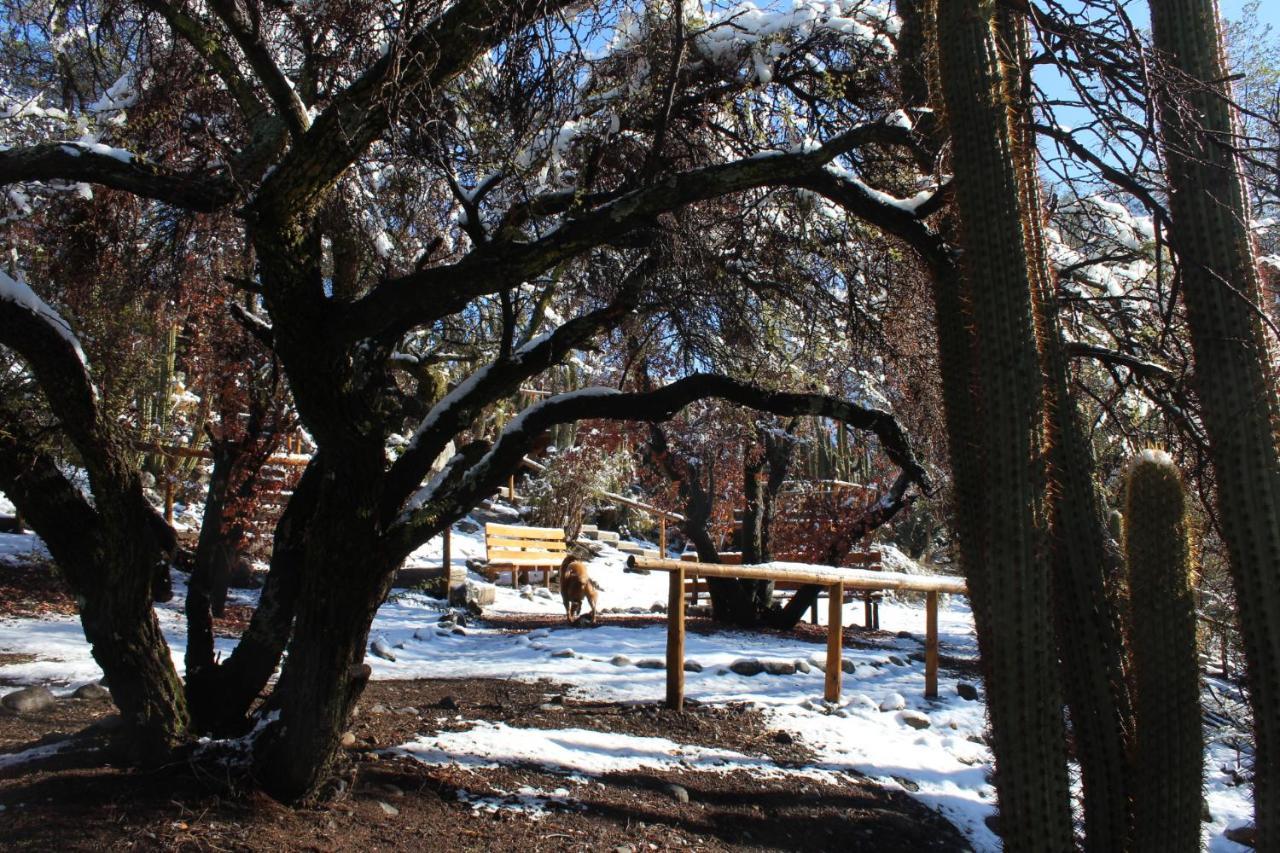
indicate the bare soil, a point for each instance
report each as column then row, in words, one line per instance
column 76, row 800
column 80, row 798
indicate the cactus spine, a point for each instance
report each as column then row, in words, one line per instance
column 1240, row 402
column 1169, row 747
column 1010, row 587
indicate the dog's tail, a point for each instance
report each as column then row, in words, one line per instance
column 592, row 581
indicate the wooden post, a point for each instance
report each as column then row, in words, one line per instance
column 835, row 641
column 662, row 537
column 20, row 526
column 168, row 498
column 446, row 558
column 675, row 641
column 931, row 646
column 866, row 606
column 511, row 489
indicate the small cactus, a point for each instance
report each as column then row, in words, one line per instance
column 1169, row 744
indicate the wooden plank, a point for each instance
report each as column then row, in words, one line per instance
column 516, row 531
column 822, row 575
column 499, row 555
column 675, row 641
column 527, row 561
column 931, row 646
column 497, row 541
column 835, row 641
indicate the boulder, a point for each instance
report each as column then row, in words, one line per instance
column 469, row 592
column 747, row 666
column 692, row 666
column 803, row 666
column 29, row 700
column 92, row 692
column 679, row 793
column 564, row 653
column 381, row 648
column 893, row 702
column 914, row 719
column 779, row 667
column 651, row 663
column 620, row 660
column 967, row 691
column 1246, row 834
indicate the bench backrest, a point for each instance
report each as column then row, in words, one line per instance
column 516, row 545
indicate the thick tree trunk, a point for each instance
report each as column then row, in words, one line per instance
column 1234, row 368
column 348, row 573
column 1010, row 588
column 109, row 557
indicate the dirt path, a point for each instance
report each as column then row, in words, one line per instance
column 382, row 801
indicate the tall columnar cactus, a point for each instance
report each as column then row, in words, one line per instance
column 1169, row 748
column 1087, row 616
column 1209, row 226
column 1009, row 580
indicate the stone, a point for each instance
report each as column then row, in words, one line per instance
column 779, row 667
column 803, row 666
column 379, row 709
column 543, row 592
column 897, row 661
column 348, row 740
column 473, row 593
column 692, row 666
column 861, row 702
column 967, row 691
column 818, row 663
column 390, row 810
column 382, row 649
column 526, row 594
column 784, row 738
column 993, row 823
column 893, row 702
column 905, row 635
column 651, row 663
column 747, row 666
column 465, row 526
column 914, row 719
column 92, row 692
column 620, row 660
column 679, row 793
column 658, row 607
column 564, row 653
column 848, row 665
column 408, row 711
column 459, row 632
column 392, row 790
column 1246, row 834
column 918, row 657
column 29, row 700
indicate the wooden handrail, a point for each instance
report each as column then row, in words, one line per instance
column 821, row 575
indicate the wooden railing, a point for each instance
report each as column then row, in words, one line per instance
column 836, row 580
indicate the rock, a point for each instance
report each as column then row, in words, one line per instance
column 526, row 594
column 1246, row 834
column 473, row 594
column 908, row 784
column 379, row 709
column 897, row 661
column 408, row 711
column 29, row 700
column 393, row 790
column 465, row 526
column 382, row 649
column 993, row 823
column 803, row 666
column 1205, row 815
column 918, row 657
column 620, row 660
column 967, row 691
column 678, row 793
column 692, row 666
column 92, row 692
column 861, row 701
column 564, row 653
column 905, row 635
column 422, row 635
column 389, row 809
column 915, row 719
column 818, row 663
column 978, row 739
column 651, row 663
column 658, row 607
column 459, row 632
column 893, row 702
column 848, row 665
column 783, row 738
column 543, row 592
column 779, row 667
column 348, row 740
column 747, row 666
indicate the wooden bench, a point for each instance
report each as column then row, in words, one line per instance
column 510, row 547
column 837, row 580
column 695, row 586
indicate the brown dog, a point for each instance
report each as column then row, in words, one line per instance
column 575, row 585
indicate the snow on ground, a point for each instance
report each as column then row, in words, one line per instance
column 941, row 765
